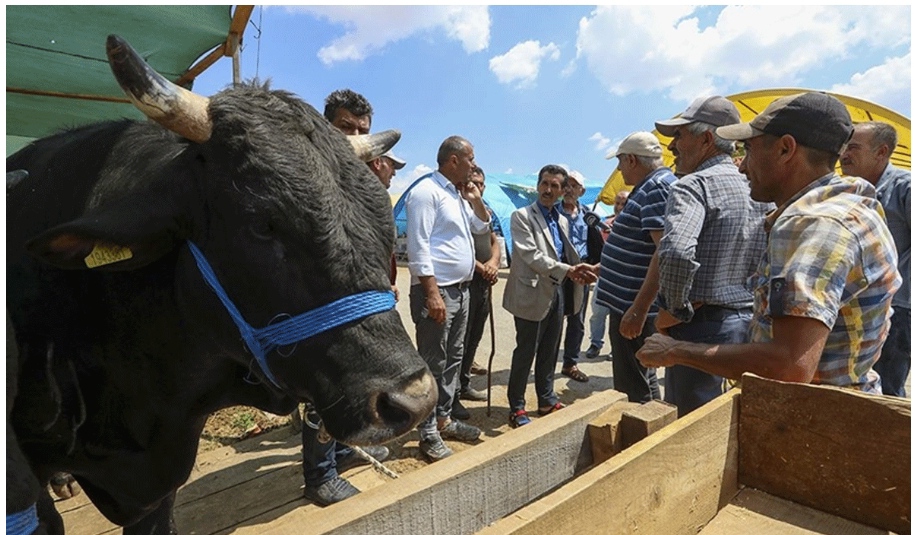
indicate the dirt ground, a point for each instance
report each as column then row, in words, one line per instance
column 236, row 423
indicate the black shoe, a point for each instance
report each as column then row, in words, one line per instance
column 354, row 459
column 434, row 448
column 592, row 352
column 330, row 492
column 457, row 430
column 471, row 394
column 459, row 411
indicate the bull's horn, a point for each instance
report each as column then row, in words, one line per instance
column 370, row 146
column 177, row 109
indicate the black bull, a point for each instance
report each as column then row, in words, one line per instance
column 119, row 365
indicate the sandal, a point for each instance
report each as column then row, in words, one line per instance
column 543, row 411
column 518, row 418
column 575, row 374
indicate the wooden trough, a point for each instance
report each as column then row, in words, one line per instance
column 770, row 457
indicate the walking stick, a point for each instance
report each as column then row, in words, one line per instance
column 491, row 356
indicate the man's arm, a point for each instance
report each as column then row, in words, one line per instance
column 420, row 220
column 685, row 212
column 632, row 322
column 490, row 268
column 792, row 355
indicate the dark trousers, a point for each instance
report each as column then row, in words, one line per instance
column 629, row 376
column 894, row 364
column 537, row 340
column 319, row 460
column 574, row 333
column 689, row 388
column 480, row 294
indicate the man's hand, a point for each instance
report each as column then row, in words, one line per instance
column 436, row 310
column 469, row 191
column 658, row 350
column 632, row 323
column 490, row 273
column 583, row 273
column 396, row 292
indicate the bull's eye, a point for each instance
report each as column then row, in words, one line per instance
column 263, row 228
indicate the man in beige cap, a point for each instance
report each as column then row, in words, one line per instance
column 712, row 242
column 628, row 265
column 824, row 286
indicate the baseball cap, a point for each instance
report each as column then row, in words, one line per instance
column 715, row 110
column 397, row 162
column 577, row 176
column 639, row 144
column 814, row 119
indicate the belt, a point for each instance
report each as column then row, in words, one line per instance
column 460, row 285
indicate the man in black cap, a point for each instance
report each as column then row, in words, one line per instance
column 824, row 287
column 712, row 242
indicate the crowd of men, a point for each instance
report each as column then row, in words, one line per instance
column 771, row 264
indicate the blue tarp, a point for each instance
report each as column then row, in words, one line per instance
column 504, row 194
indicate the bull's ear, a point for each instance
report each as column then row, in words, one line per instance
column 123, row 236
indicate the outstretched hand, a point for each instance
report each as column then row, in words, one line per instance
column 583, row 273
column 657, row 351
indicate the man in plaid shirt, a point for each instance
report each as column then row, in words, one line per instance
column 824, row 286
column 712, row 242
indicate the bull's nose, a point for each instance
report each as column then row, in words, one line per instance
column 404, row 408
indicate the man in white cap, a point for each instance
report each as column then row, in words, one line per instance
column 825, row 284
column 385, row 167
column 628, row 265
column 712, row 243
column 588, row 242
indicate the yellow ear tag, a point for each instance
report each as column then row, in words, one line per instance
column 103, row 254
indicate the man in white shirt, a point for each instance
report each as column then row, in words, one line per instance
column 442, row 213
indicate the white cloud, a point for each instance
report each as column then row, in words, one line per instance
column 521, row 64
column 888, row 84
column 601, row 142
column 669, row 50
column 402, row 180
column 370, row 28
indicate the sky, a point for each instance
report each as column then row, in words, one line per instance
column 535, row 85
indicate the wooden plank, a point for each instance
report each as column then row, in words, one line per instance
column 836, row 450
column 754, row 511
column 605, row 432
column 673, row 482
column 465, row 492
column 643, row 420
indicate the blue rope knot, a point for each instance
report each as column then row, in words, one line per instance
column 297, row 328
column 22, row 523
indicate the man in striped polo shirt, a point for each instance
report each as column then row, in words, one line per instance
column 628, row 266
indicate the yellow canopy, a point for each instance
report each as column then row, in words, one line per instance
column 752, row 103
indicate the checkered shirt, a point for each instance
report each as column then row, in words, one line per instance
column 830, row 256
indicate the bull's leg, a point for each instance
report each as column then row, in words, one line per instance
column 159, row 522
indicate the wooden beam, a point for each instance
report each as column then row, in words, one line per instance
column 41, row 93
column 605, row 433
column 673, row 482
column 465, row 492
column 643, row 420
column 228, row 48
column 843, row 452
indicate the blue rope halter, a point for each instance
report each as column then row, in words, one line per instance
column 297, row 328
column 22, row 523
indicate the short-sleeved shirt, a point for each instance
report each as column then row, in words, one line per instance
column 830, row 257
column 628, row 249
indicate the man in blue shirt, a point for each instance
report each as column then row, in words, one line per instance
column 629, row 276
column 867, row 156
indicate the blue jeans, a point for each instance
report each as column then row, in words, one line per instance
column 574, row 333
column 629, row 376
column 539, row 339
column 441, row 346
column 689, row 388
column 598, row 316
column 895, row 362
column 319, row 460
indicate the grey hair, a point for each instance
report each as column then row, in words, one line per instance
column 883, row 134
column 651, row 162
column 723, row 145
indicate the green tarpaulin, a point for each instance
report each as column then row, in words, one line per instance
column 57, row 69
